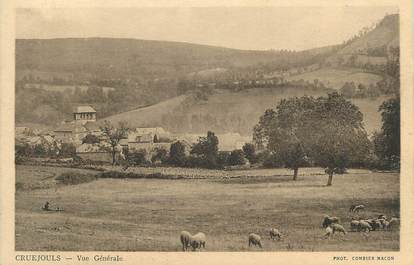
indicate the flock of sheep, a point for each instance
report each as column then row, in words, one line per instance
column 360, row 224
column 331, row 224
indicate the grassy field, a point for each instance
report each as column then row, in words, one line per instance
column 149, row 214
column 233, row 111
column 336, row 78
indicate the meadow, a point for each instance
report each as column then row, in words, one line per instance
column 149, row 214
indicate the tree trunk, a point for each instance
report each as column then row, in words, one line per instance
column 295, row 173
column 330, row 179
column 113, row 155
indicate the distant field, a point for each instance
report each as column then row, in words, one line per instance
column 336, row 78
column 148, row 214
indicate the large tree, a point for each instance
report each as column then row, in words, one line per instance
column 327, row 131
column 207, row 150
column 387, row 141
column 340, row 139
column 113, row 136
column 285, row 131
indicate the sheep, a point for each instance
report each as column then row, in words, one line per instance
column 376, row 224
column 274, row 233
column 329, row 232
column 382, row 216
column 394, row 223
column 329, row 220
column 364, row 226
column 255, row 240
column 385, row 224
column 354, row 225
column 198, row 240
column 185, row 238
column 337, row 228
column 356, row 208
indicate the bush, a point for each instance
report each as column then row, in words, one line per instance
column 272, row 161
column 222, row 158
column 160, row 155
column 131, row 175
column 90, row 139
column 73, row 178
column 177, row 155
column 137, row 158
column 250, row 153
column 67, row 150
column 236, row 157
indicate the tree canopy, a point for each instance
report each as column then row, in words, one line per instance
column 327, row 131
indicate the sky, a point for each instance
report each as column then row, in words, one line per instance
column 247, row 28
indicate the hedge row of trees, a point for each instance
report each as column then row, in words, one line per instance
column 204, row 154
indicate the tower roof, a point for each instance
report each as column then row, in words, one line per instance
column 84, row 109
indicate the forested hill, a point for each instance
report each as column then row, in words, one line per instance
column 106, row 58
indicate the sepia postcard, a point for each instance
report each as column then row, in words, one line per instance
column 206, row 132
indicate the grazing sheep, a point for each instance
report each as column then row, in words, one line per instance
column 198, row 240
column 185, row 238
column 376, row 224
column 329, row 232
column 338, row 228
column 357, row 208
column 364, row 226
column 394, row 223
column 385, row 224
column 274, row 233
column 354, row 225
column 254, row 240
column 329, row 220
column 382, row 216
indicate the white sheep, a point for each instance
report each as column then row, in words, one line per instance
column 274, row 233
column 385, row 224
column 338, row 228
column 394, row 223
column 255, row 240
column 185, row 238
column 327, row 220
column 198, row 240
column 329, row 232
column 357, row 208
column 364, row 226
column 354, row 225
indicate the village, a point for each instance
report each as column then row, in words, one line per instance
column 84, row 138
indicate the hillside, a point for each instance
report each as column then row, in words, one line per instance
column 126, row 58
column 118, row 76
column 226, row 111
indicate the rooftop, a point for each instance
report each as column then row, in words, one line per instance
column 84, row 109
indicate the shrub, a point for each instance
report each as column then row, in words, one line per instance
column 250, row 152
column 160, row 155
column 73, row 178
column 236, row 157
column 177, row 154
column 222, row 158
column 137, row 158
column 90, row 139
column 67, row 150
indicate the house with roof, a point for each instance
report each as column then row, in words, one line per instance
column 84, row 114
